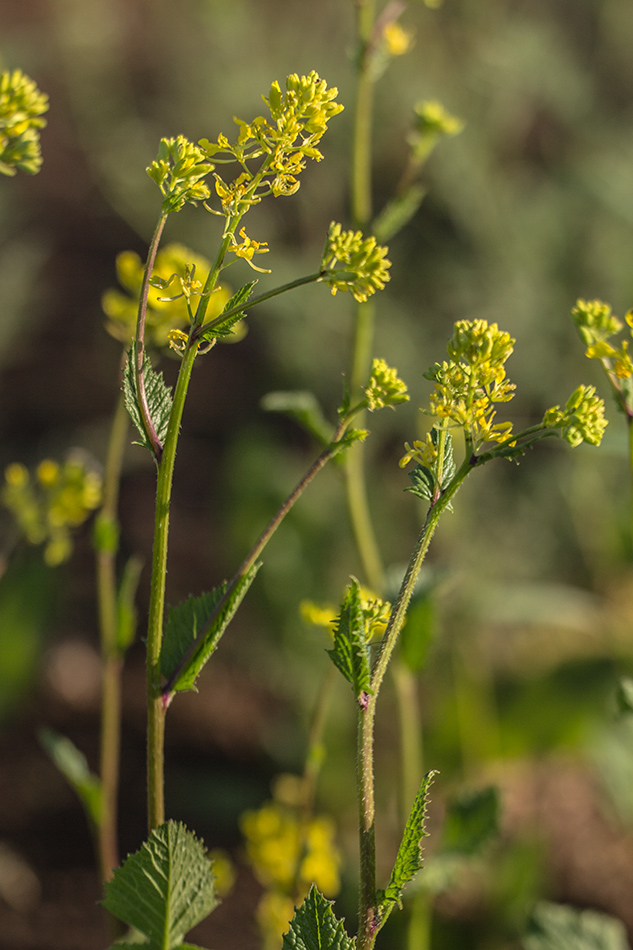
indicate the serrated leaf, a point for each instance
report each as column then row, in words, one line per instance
column 186, row 622
column 304, row 408
column 158, row 395
column 471, row 821
column 314, row 927
column 409, row 858
column 423, row 483
column 74, row 767
column 557, row 927
column 165, row 888
column 350, row 653
column 224, row 328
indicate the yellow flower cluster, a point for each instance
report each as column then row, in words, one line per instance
column 21, row 108
column 299, row 118
column 179, row 171
column 596, row 324
column 473, row 380
column 424, row 453
column 48, row 506
column 385, row 387
column 582, row 419
column 168, row 310
column 365, row 266
column 288, row 855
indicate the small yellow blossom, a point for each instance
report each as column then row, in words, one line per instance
column 398, row 41
column 385, row 387
column 248, row 248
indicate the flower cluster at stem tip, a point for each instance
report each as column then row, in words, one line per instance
column 469, row 384
column 48, row 506
column 179, row 274
column 596, row 325
column 288, row 854
column 385, row 387
column 21, row 108
column 365, row 266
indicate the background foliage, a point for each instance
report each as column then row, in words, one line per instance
column 528, row 209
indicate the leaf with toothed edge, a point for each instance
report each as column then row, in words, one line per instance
column 226, row 328
column 185, row 623
column 164, row 889
column 409, row 858
column 350, row 653
column 314, row 927
column 159, row 399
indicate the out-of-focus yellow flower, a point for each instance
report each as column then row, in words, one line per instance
column 21, row 108
column 46, row 507
column 288, row 854
column 398, row 41
column 180, row 274
column 223, row 872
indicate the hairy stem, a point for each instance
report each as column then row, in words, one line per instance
column 155, row 707
column 368, row 927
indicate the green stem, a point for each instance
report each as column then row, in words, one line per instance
column 368, row 925
column 254, row 554
column 155, row 707
column 361, row 209
column 107, row 544
column 202, row 328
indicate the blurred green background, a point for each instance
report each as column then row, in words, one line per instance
column 530, row 207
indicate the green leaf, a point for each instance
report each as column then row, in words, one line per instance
column 304, row 408
column 165, row 888
column 126, row 607
column 419, row 631
column 159, row 399
column 471, row 821
column 225, row 328
column 350, row 653
column 314, row 927
column 187, row 621
column 74, row 767
column 409, row 858
column 426, row 481
column 556, row 927
column 423, row 483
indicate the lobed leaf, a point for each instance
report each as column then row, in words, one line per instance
column 158, row 395
column 314, row 927
column 556, row 927
column 350, row 653
column 164, row 889
column 187, row 621
column 409, row 858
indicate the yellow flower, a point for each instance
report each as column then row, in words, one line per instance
column 397, row 40
column 175, row 265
